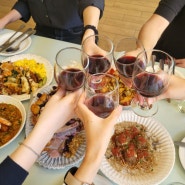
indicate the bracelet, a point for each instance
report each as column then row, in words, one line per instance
column 29, row 148
column 92, row 28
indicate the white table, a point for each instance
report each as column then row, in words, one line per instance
column 168, row 115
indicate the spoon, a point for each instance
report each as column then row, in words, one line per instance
column 13, row 49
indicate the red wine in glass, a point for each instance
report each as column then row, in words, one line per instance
column 71, row 78
column 101, row 105
column 98, row 64
column 125, row 65
column 148, row 84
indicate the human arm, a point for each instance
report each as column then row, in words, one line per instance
column 91, row 17
column 98, row 133
column 152, row 30
column 164, row 14
column 20, row 11
column 10, row 17
column 91, row 11
column 58, row 111
column 50, row 120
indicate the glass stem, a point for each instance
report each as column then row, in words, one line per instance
column 144, row 104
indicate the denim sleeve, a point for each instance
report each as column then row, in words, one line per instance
column 22, row 7
column 11, row 173
column 169, row 8
column 85, row 3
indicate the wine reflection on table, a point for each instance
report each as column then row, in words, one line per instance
column 70, row 69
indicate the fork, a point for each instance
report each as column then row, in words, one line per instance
column 13, row 49
column 8, row 41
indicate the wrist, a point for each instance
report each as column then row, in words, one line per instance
column 70, row 179
column 91, row 162
column 89, row 30
column 89, row 167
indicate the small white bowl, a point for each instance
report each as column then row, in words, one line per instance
column 10, row 100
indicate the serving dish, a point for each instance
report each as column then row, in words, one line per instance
column 13, row 101
column 165, row 161
column 38, row 59
column 53, row 157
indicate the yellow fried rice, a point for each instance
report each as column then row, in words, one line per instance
column 33, row 66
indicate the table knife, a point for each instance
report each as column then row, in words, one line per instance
column 16, row 39
column 179, row 143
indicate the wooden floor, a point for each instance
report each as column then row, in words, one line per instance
column 121, row 17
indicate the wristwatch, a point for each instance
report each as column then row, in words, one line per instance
column 69, row 178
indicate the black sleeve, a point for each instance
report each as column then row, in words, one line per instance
column 22, row 7
column 169, row 8
column 85, row 3
column 11, row 173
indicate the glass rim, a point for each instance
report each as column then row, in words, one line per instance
column 101, row 36
column 74, row 48
column 128, row 38
column 153, row 50
column 123, row 51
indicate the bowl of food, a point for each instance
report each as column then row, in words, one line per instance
column 141, row 151
column 67, row 146
column 12, row 119
column 24, row 74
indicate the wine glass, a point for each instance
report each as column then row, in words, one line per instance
column 99, row 48
column 102, row 94
column 150, row 78
column 125, row 53
column 70, row 68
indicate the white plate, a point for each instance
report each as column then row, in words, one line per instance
column 165, row 162
column 24, row 45
column 45, row 160
column 19, row 105
column 39, row 59
column 182, row 154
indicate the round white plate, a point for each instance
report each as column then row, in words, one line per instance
column 39, row 59
column 182, row 154
column 165, row 162
column 19, row 105
column 24, row 45
column 45, row 160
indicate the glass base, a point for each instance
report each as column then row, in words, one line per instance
column 181, row 106
column 144, row 111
